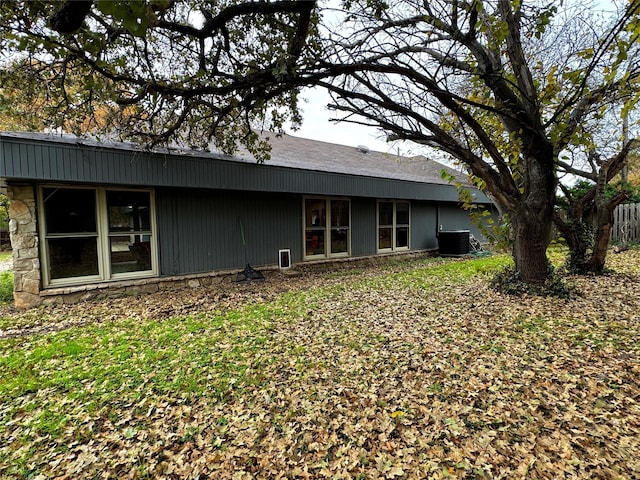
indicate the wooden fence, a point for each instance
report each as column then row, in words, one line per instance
column 626, row 223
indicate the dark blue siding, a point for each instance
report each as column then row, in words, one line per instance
column 453, row 217
column 23, row 159
column 423, row 226
column 201, row 201
column 199, row 231
column 363, row 226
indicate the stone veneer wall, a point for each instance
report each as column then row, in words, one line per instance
column 24, row 242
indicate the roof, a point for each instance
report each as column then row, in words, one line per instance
column 293, row 152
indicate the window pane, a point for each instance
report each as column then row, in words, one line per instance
column 339, row 213
column 129, row 255
column 315, row 214
column 129, row 211
column 72, row 257
column 402, row 237
column 402, row 213
column 385, row 213
column 384, row 238
column 314, row 242
column 69, row 210
column 339, row 238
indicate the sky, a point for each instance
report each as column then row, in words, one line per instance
column 316, row 125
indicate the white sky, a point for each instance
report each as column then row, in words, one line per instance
column 316, row 126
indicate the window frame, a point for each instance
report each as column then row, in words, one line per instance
column 327, row 228
column 103, row 237
column 394, row 227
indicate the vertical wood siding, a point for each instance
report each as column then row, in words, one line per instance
column 423, row 226
column 199, row 201
column 199, row 231
column 453, row 217
column 69, row 162
column 363, row 226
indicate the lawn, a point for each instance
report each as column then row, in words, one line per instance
column 397, row 370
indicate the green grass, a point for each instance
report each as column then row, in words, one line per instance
column 121, row 382
column 4, row 256
column 173, row 355
column 97, row 371
column 97, row 367
column 6, row 287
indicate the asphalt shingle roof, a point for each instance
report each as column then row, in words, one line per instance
column 295, row 152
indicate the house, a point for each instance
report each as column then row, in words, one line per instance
column 87, row 216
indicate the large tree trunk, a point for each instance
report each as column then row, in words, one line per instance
column 532, row 213
column 578, row 237
column 531, row 236
column 585, row 233
column 602, row 222
column 600, row 246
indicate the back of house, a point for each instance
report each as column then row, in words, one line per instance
column 86, row 216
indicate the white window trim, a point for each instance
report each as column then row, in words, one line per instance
column 327, row 228
column 103, row 246
column 393, row 226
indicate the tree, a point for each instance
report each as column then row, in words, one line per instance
column 33, row 97
column 586, row 215
column 194, row 71
column 493, row 84
column 511, row 92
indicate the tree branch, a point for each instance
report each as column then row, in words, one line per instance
column 70, row 16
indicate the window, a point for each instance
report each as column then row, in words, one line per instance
column 94, row 234
column 327, row 227
column 393, row 225
column 129, row 231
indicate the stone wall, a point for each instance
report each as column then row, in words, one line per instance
column 125, row 288
column 24, row 242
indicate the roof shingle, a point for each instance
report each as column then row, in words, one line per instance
column 295, row 152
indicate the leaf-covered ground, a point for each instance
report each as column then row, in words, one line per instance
column 401, row 370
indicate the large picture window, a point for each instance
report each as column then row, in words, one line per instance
column 327, row 224
column 95, row 234
column 393, row 225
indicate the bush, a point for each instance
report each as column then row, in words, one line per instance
column 6, row 287
column 508, row 281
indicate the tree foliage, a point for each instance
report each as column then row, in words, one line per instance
column 194, row 71
column 503, row 87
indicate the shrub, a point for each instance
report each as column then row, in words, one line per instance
column 508, row 281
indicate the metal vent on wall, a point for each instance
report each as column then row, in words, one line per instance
column 284, row 258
